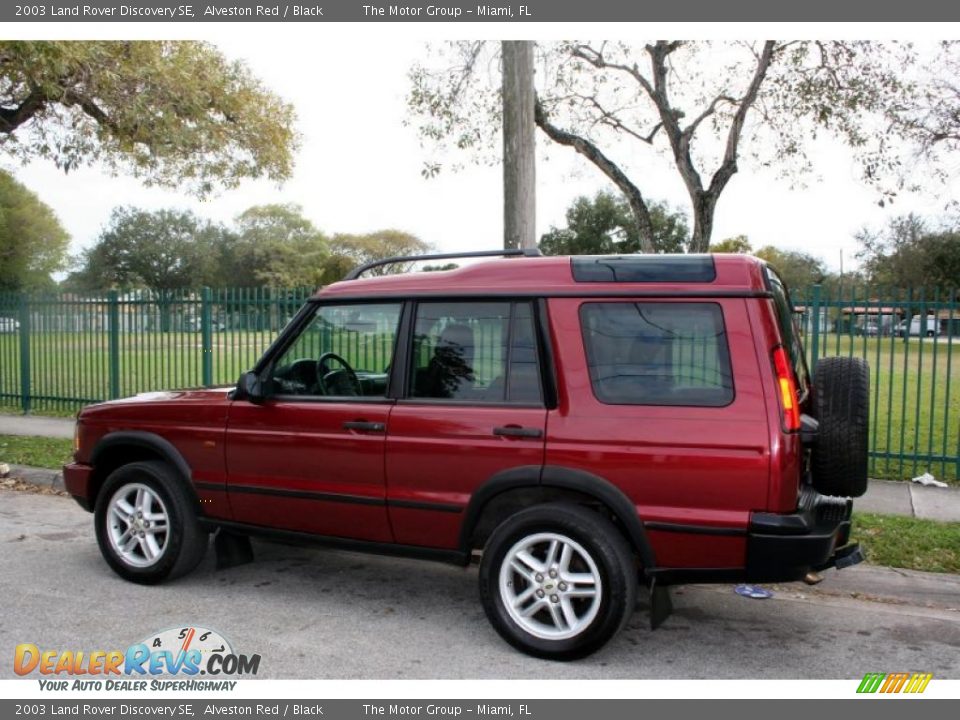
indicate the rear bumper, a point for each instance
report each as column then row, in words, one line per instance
column 782, row 548
column 76, row 479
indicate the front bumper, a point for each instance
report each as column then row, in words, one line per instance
column 76, row 479
column 783, row 548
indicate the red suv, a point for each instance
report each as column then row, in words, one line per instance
column 586, row 425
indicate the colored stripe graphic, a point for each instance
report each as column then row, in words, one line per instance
column 894, row 682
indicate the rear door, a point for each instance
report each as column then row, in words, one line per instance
column 472, row 407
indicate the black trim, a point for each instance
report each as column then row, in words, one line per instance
column 532, row 476
column 306, row 495
column 508, row 252
column 215, row 487
column 643, row 268
column 334, row 497
column 503, row 481
column 611, row 496
column 420, row 505
column 455, row 557
column 693, row 529
column 548, row 368
column 402, row 353
column 150, row 441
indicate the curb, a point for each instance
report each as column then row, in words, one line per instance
column 41, row 477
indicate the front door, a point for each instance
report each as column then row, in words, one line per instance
column 311, row 457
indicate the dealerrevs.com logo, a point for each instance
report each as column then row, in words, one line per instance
column 185, row 652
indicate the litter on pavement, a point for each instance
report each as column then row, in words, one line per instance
column 928, row 479
column 753, row 591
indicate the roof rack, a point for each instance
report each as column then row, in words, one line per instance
column 512, row 252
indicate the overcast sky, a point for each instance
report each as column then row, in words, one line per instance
column 359, row 167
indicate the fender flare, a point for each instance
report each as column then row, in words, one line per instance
column 150, row 441
column 554, row 476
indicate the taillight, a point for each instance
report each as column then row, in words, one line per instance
column 788, row 390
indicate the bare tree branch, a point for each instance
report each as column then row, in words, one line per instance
column 608, row 167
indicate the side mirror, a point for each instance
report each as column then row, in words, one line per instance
column 251, row 387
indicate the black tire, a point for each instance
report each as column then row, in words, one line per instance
column 610, row 554
column 842, row 406
column 183, row 544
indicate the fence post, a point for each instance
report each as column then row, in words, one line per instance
column 113, row 308
column 815, row 329
column 25, row 353
column 206, row 335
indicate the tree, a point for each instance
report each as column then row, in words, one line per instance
column 349, row 251
column 605, row 225
column 161, row 250
column 177, row 114
column 739, row 245
column 278, row 246
column 797, row 269
column 911, row 253
column 33, row 244
column 765, row 100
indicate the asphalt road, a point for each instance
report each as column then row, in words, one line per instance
column 328, row 614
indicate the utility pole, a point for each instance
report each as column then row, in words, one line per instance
column 519, row 170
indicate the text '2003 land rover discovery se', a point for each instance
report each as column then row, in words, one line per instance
column 588, row 424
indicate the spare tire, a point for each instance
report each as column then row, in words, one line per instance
column 842, row 407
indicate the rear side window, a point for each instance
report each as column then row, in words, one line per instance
column 476, row 352
column 656, row 353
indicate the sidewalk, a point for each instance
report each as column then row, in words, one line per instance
column 36, row 425
column 887, row 497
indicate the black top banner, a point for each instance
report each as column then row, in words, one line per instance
column 459, row 11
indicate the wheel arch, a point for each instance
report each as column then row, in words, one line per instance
column 519, row 487
column 121, row 448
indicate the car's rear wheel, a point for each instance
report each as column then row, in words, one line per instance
column 842, row 406
column 557, row 581
column 146, row 524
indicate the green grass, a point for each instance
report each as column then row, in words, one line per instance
column 35, row 451
column 905, row 542
column 915, row 390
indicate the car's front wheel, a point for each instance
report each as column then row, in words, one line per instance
column 557, row 581
column 146, row 524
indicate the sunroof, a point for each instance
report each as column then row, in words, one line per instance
column 644, row 268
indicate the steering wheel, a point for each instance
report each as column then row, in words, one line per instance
column 337, row 382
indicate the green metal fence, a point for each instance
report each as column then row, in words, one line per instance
column 59, row 352
column 911, row 339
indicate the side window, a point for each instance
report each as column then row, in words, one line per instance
column 651, row 353
column 788, row 327
column 481, row 352
column 345, row 351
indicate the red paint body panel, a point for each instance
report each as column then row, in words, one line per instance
column 294, row 446
column 193, row 421
column 442, row 454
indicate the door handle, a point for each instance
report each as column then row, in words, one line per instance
column 517, row 431
column 364, row 426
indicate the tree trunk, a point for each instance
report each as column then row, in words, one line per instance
column 704, row 205
column 519, row 169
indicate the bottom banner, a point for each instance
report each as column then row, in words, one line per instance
column 445, row 709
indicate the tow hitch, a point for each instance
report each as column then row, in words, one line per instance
column 847, row 556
